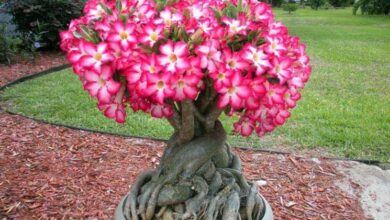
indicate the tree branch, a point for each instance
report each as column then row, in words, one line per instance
column 197, row 114
column 187, row 126
column 212, row 116
column 206, row 97
column 174, row 120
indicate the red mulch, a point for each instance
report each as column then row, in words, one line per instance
column 51, row 172
column 24, row 67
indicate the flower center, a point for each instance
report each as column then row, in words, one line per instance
column 154, row 36
column 234, row 28
column 124, row 35
column 278, row 69
column 255, row 57
column 221, row 76
column 209, row 55
column 232, row 63
column 173, row 58
column 152, row 69
column 98, row 56
column 273, row 46
column 232, row 90
column 101, row 82
column 181, row 84
column 160, row 84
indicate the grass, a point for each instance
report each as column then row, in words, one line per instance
column 345, row 107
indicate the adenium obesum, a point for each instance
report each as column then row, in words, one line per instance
column 146, row 54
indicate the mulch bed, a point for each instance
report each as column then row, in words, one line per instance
column 51, row 172
column 25, row 67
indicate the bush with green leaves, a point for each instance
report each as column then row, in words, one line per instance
column 290, row 7
column 315, row 4
column 327, row 6
column 371, row 7
column 44, row 18
column 274, row 3
column 8, row 46
column 340, row 3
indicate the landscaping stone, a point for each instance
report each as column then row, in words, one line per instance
column 373, row 184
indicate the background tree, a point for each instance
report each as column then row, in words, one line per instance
column 190, row 62
column 290, row 7
column 340, row 3
column 38, row 21
column 315, row 4
column 372, row 7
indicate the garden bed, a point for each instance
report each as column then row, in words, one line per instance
column 23, row 67
column 53, row 172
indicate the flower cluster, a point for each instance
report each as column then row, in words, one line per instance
column 149, row 54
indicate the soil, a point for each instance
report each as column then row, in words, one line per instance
column 24, row 67
column 52, row 172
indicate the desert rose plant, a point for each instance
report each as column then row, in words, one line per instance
column 190, row 61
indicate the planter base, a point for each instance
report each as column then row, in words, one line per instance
column 120, row 216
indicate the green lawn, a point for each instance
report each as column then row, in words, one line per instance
column 345, row 107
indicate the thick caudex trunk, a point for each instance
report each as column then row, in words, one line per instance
column 200, row 179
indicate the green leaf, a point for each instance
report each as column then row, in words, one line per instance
column 119, row 5
column 105, row 8
column 77, row 35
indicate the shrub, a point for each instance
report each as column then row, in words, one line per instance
column 340, row 3
column 290, row 7
column 315, row 4
column 34, row 17
column 274, row 3
column 326, row 6
column 372, row 7
column 8, row 46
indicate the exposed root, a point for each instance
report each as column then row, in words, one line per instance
column 131, row 201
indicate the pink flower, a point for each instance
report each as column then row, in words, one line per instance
column 144, row 12
column 257, row 57
column 234, row 93
column 123, row 34
column 279, row 114
column 209, row 54
column 194, row 68
column 186, row 87
column 291, row 97
column 234, row 60
column 133, row 73
column 274, row 46
column 221, row 77
column 159, row 86
column 174, row 56
column 281, row 69
column 275, row 94
column 169, row 18
column 113, row 110
column 150, row 64
column 95, row 55
column 161, row 111
column 262, row 12
column 151, row 34
column 245, row 126
column 100, row 84
column 235, row 26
